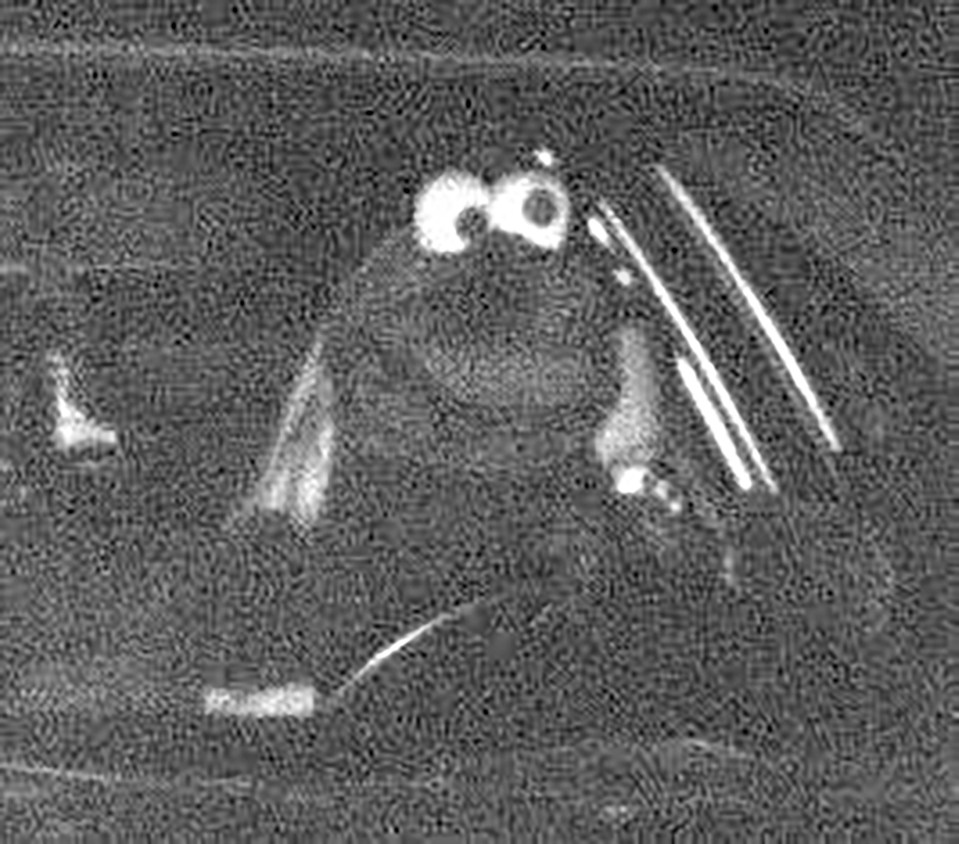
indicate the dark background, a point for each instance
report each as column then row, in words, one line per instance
column 886, row 62
column 881, row 67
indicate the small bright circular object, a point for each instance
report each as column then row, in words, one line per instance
column 546, row 157
column 632, row 480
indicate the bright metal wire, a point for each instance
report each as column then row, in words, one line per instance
column 692, row 341
column 712, row 239
column 714, row 422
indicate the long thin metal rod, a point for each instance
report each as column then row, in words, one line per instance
column 692, row 341
column 711, row 237
column 714, row 422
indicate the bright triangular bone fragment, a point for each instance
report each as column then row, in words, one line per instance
column 75, row 430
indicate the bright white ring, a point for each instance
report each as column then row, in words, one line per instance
column 506, row 210
column 440, row 204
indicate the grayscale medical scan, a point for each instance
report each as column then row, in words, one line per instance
column 474, row 422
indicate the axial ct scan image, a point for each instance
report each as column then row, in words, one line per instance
column 519, row 439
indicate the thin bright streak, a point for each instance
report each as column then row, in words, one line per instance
column 384, row 654
column 715, row 424
column 59, row 773
column 659, row 288
column 301, row 700
column 765, row 321
column 78, row 775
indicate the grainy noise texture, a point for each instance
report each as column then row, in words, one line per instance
column 204, row 217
